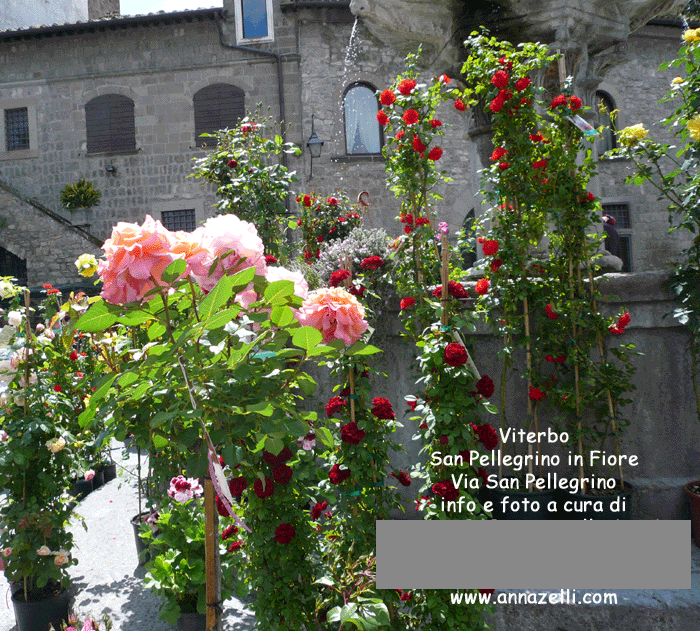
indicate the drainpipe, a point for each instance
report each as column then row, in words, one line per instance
column 280, row 82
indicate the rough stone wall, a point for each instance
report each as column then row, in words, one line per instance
column 323, row 45
column 15, row 15
column 636, row 86
column 159, row 67
column 28, row 231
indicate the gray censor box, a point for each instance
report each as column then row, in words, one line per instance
column 465, row 554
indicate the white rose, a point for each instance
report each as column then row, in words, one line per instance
column 14, row 318
column 61, row 557
column 43, row 551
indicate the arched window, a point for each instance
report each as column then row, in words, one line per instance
column 467, row 240
column 109, row 122
column 606, row 106
column 363, row 134
column 218, row 106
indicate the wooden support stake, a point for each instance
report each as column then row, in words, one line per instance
column 211, row 556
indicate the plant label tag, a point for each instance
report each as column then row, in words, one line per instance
column 588, row 131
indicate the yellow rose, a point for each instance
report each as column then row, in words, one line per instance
column 694, row 128
column 55, row 445
column 632, row 135
column 86, row 264
column 692, row 35
column 678, row 81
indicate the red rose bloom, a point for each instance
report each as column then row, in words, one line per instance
column 406, row 218
column 282, row 474
column 335, row 404
column 559, row 100
column 402, row 477
column 351, row 433
column 408, row 229
column 459, row 105
column 495, row 264
column 47, row 285
column 220, row 508
column 435, row 154
column 332, row 201
column 455, row 354
column 504, row 62
column 406, row 86
column 372, row 262
column 485, row 387
column 73, row 356
column 407, row 302
column 445, row 79
column 525, row 101
column 624, row 320
column 490, row 247
column 575, row 103
column 550, row 312
column 435, row 123
column 556, row 360
column 387, row 97
column 382, row 409
column 382, row 118
column 616, row 330
column 455, row 289
column 418, row 144
column 236, row 486
column 307, row 201
column 267, row 491
column 229, row 532
column 522, row 84
column 487, row 435
column 500, row 79
column 496, row 105
column 337, row 475
column 482, row 286
column 410, row 117
column 279, row 459
column 498, row 153
column 540, row 164
column 503, row 165
column 505, row 95
column 57, row 388
column 235, row 546
column 232, row 164
column 318, row 509
column 536, row 394
column 270, row 260
column 357, row 291
column 400, row 134
column 446, row 490
column 422, row 221
column 284, row 533
column 536, row 137
column 338, row 277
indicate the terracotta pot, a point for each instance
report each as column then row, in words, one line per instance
column 694, row 510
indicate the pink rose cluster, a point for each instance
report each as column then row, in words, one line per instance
column 136, row 255
column 183, row 489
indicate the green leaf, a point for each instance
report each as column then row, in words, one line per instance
column 176, row 269
column 104, row 386
column 358, row 348
column 135, row 317
column 325, row 436
column 156, row 330
column 217, row 297
column 264, row 408
column 222, row 318
column 97, row 318
column 277, row 291
column 127, row 379
column 159, row 442
column 281, row 316
column 306, row 337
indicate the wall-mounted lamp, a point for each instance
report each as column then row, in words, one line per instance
column 110, row 168
column 315, row 144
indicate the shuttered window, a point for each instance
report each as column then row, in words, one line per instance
column 183, row 219
column 109, row 121
column 218, row 106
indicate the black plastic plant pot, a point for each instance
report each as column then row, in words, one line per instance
column 602, row 506
column 81, row 489
column 192, row 622
column 109, row 471
column 141, row 546
column 38, row 615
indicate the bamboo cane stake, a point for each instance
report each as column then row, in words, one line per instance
column 528, row 364
column 211, row 557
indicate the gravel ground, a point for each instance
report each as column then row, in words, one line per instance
column 107, row 578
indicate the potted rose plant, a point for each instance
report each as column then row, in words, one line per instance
column 35, row 466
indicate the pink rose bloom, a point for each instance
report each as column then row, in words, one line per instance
column 89, row 474
column 190, row 247
column 228, row 233
column 308, row 442
column 336, row 313
column 183, row 489
column 135, row 258
column 246, row 298
column 301, row 287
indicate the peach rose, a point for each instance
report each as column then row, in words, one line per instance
column 135, row 258
column 301, row 287
column 228, row 233
column 336, row 313
column 190, row 247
